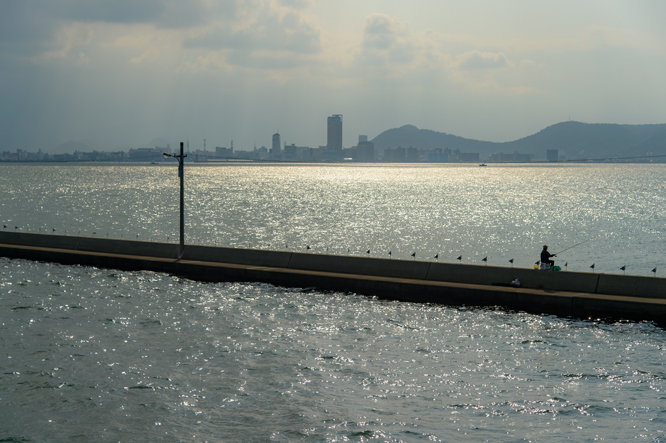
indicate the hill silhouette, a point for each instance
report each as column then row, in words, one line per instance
column 574, row 139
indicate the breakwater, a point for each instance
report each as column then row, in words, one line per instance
column 561, row 293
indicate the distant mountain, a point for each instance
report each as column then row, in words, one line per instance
column 655, row 144
column 593, row 140
column 574, row 139
column 411, row 136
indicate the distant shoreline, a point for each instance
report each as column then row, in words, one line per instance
column 278, row 163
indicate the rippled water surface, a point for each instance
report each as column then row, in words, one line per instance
column 501, row 212
column 101, row 355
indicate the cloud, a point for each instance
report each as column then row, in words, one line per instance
column 261, row 34
column 589, row 38
column 250, row 33
column 297, row 4
column 150, row 55
column 161, row 13
column 35, row 22
column 117, row 11
column 69, row 38
column 24, row 31
column 482, row 60
column 191, row 13
column 267, row 28
column 490, row 74
column 42, row 30
column 386, row 40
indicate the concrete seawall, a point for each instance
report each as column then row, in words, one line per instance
column 562, row 293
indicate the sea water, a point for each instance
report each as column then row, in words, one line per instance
column 92, row 354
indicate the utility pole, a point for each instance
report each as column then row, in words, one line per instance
column 181, row 174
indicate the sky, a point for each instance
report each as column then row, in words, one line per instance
column 117, row 74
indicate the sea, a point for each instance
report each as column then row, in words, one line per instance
column 91, row 354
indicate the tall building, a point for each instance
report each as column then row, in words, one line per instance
column 334, row 139
column 365, row 150
column 276, row 144
column 551, row 155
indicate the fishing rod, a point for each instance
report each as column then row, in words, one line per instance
column 577, row 244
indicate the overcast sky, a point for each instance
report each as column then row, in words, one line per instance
column 123, row 72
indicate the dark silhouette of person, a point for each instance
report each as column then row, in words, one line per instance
column 545, row 256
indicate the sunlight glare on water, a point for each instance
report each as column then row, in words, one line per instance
column 502, row 212
column 119, row 356
column 101, row 355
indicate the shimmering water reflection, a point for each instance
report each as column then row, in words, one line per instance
column 501, row 212
column 100, row 355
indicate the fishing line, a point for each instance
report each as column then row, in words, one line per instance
column 577, row 244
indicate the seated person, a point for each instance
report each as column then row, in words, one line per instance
column 545, row 256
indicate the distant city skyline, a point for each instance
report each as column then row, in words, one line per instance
column 118, row 74
column 566, row 141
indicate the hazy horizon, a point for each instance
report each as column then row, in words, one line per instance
column 123, row 73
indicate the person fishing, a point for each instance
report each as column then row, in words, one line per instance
column 545, row 256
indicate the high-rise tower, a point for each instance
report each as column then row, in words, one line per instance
column 276, row 144
column 334, row 139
